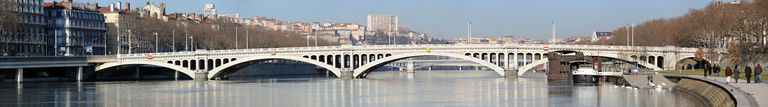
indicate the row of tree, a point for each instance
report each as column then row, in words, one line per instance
column 740, row 27
column 179, row 35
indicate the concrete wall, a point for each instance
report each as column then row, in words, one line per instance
column 711, row 94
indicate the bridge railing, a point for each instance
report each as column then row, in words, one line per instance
column 433, row 46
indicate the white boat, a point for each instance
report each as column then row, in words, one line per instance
column 584, row 73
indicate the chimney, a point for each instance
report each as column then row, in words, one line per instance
column 127, row 6
column 119, row 6
column 112, row 7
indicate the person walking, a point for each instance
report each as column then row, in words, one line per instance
column 748, row 73
column 707, row 70
column 717, row 70
column 728, row 74
column 758, row 72
column 736, row 74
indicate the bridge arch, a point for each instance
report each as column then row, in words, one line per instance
column 523, row 69
column 383, row 61
column 696, row 65
column 218, row 70
column 181, row 69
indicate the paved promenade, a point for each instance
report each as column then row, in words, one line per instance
column 758, row 90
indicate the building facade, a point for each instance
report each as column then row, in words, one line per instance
column 210, row 10
column 77, row 29
column 28, row 37
column 155, row 11
column 382, row 22
column 121, row 20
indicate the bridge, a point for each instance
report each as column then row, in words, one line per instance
column 507, row 60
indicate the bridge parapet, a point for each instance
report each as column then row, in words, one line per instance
column 346, row 57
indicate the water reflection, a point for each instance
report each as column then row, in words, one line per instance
column 383, row 89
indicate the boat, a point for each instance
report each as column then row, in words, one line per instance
column 583, row 72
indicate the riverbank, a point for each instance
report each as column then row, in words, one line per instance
column 745, row 95
column 699, row 72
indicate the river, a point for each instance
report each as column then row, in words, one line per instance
column 380, row 89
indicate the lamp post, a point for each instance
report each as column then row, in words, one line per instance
column 173, row 40
column 192, row 42
column 247, row 39
column 236, row 37
column 156, row 41
column 130, row 34
column 186, row 40
column 105, row 44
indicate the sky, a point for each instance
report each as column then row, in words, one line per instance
column 448, row 19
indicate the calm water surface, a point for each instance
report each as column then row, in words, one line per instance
column 381, row 89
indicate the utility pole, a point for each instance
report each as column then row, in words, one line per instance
column 186, row 40
column 247, row 39
column 119, row 43
column 236, row 38
column 633, row 34
column 173, row 40
column 554, row 32
column 105, row 44
column 130, row 34
column 192, row 38
column 469, row 32
column 307, row 37
column 627, row 28
column 156, row 41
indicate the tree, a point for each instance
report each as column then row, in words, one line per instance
column 8, row 19
column 699, row 55
column 212, row 36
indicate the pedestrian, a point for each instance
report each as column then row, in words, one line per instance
column 650, row 80
column 706, row 69
column 728, row 73
column 758, row 72
column 748, row 73
column 711, row 69
column 717, row 70
column 736, row 74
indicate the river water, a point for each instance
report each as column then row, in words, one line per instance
column 380, row 89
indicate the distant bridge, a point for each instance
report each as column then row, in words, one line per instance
column 357, row 61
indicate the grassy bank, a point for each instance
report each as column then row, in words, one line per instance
column 700, row 72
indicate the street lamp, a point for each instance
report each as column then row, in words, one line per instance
column 173, row 40
column 236, row 37
column 156, row 41
column 130, row 34
column 192, row 42
column 247, row 39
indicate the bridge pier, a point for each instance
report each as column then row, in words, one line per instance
column 200, row 76
column 347, row 74
column 137, row 75
column 79, row 73
column 409, row 66
column 510, row 73
column 19, row 75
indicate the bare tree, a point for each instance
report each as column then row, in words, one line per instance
column 8, row 19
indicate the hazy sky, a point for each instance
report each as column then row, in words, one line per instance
column 448, row 19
